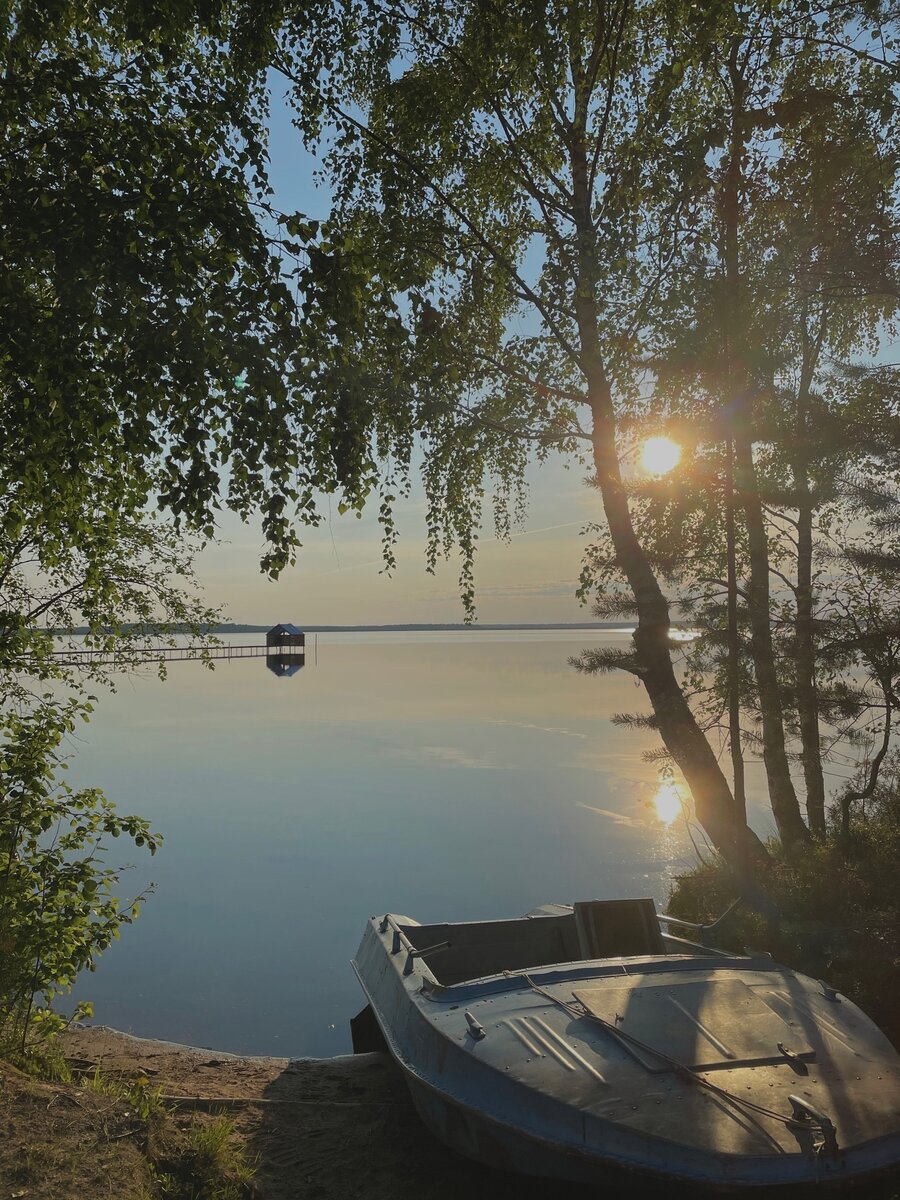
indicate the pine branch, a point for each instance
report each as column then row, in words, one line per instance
column 615, row 604
column 635, row 720
column 601, row 661
column 659, row 755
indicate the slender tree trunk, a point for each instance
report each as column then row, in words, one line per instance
column 681, row 735
column 807, row 693
column 805, row 652
column 868, row 790
column 782, row 795
column 734, row 647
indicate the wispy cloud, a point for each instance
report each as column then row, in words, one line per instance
column 518, row 591
column 539, row 728
column 520, row 533
column 545, row 587
column 374, row 562
column 445, row 756
column 620, row 760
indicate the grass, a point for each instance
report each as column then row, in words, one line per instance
column 143, row 1101
column 41, row 1059
column 61, row 1141
column 210, row 1165
column 62, row 1135
column 203, row 1161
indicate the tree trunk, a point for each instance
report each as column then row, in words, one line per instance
column 734, row 647
column 805, row 651
column 782, row 795
column 713, row 802
column 807, row 694
column 885, row 678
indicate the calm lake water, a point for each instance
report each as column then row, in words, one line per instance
column 444, row 776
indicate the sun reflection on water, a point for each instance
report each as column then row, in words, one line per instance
column 667, row 802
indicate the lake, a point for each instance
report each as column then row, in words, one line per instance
column 445, row 776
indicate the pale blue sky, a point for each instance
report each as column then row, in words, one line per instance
column 337, row 579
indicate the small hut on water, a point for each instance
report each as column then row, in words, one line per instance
column 285, row 638
column 285, row 650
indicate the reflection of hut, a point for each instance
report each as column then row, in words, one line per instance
column 286, row 638
column 284, row 665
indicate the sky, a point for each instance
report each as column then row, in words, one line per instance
column 338, row 578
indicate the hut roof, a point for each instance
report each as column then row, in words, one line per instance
column 292, row 630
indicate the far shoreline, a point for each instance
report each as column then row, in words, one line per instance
column 459, row 627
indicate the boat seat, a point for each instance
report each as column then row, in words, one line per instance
column 481, row 948
column 609, row 928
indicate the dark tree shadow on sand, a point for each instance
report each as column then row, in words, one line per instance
column 346, row 1128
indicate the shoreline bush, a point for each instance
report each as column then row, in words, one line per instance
column 58, row 907
column 834, row 910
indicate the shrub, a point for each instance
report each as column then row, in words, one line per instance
column 835, row 909
column 58, row 907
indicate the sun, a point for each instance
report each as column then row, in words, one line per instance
column 659, row 455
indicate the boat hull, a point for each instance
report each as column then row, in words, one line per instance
column 476, row 1136
column 476, row 1087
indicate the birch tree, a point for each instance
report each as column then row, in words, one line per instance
column 521, row 198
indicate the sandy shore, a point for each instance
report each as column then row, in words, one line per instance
column 326, row 1128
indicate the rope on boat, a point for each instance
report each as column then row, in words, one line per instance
column 747, row 1107
column 187, row 1101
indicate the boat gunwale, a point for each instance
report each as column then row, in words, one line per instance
column 708, row 958
column 601, row 968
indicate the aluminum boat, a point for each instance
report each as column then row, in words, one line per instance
column 591, row 1038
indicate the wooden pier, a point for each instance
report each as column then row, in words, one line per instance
column 156, row 654
column 284, row 651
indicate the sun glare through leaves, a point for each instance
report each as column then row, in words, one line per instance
column 659, row 455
